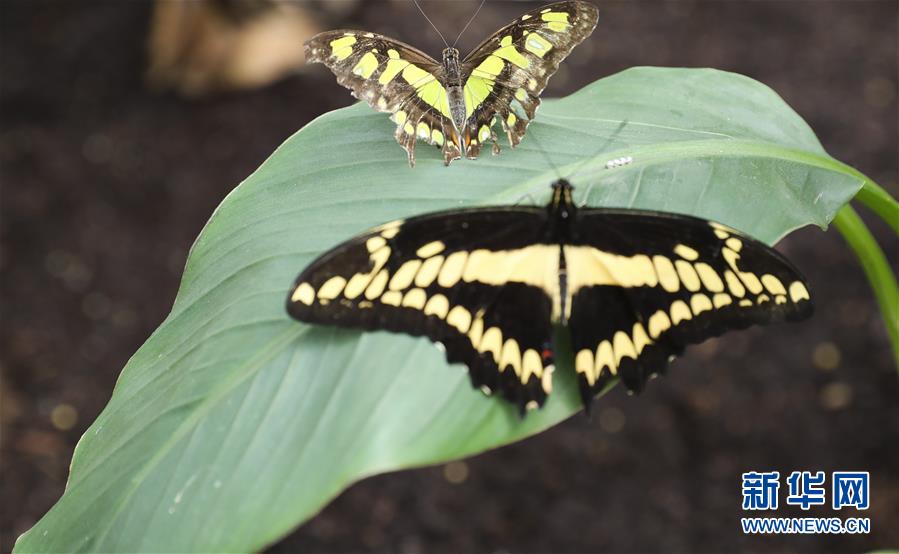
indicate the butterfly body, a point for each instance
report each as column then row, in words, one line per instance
column 454, row 92
column 454, row 104
column 633, row 287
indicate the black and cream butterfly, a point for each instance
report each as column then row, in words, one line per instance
column 633, row 287
column 454, row 104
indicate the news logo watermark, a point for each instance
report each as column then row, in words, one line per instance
column 806, row 489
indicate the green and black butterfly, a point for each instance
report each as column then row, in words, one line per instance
column 633, row 287
column 454, row 104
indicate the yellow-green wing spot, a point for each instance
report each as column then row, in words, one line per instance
column 343, row 47
column 536, row 44
column 367, row 65
column 557, row 21
column 394, row 65
column 428, row 88
column 508, row 51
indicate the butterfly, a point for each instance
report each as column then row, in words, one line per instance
column 454, row 104
column 633, row 287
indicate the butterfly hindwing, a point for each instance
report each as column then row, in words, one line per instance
column 514, row 65
column 395, row 78
column 473, row 281
column 644, row 285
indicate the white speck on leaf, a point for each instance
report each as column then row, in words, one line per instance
column 180, row 494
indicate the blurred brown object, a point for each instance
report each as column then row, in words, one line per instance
column 206, row 46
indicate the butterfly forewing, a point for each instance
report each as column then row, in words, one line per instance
column 643, row 285
column 478, row 282
column 511, row 68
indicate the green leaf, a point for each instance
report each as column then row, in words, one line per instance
column 233, row 424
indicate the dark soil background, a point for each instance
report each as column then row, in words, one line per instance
column 105, row 185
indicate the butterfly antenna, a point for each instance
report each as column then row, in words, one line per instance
column 546, row 157
column 469, row 23
column 544, row 153
column 602, row 147
column 417, row 5
column 526, row 196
